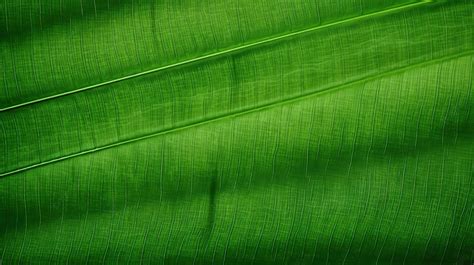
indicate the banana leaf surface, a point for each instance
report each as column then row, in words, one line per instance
column 236, row 132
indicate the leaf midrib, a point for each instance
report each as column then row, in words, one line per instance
column 223, row 52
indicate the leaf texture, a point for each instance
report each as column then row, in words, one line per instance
column 237, row 132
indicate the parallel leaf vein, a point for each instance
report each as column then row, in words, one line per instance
column 262, row 107
column 222, row 53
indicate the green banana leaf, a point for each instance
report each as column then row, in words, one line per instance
column 236, row 132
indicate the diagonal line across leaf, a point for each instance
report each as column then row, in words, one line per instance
column 224, row 52
column 238, row 113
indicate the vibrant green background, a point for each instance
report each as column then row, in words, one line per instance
column 236, row 132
